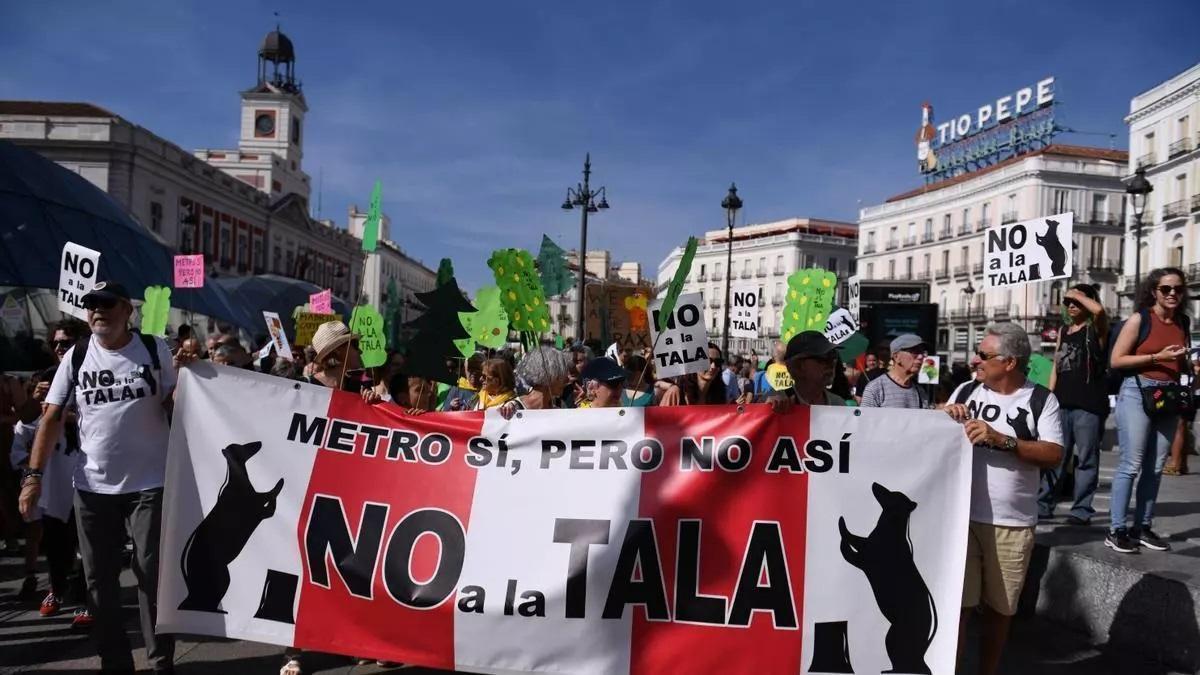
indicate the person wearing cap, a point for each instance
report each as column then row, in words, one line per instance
column 897, row 387
column 605, row 382
column 810, row 359
column 123, row 392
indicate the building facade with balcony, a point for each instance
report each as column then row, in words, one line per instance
column 936, row 234
column 763, row 256
column 1164, row 139
column 599, row 268
column 241, row 224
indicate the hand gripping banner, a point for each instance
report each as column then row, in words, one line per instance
column 634, row 540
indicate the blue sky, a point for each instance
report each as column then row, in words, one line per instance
column 476, row 115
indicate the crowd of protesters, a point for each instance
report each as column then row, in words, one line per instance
column 88, row 432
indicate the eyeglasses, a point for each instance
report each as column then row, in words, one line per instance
column 1171, row 290
column 984, row 356
column 91, row 304
column 63, row 344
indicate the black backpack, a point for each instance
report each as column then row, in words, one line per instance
column 1037, row 402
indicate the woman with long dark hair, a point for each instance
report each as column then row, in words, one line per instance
column 1151, row 348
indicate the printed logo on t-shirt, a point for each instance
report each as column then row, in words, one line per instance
column 990, row 412
column 103, row 386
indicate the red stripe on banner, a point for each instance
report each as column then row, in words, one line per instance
column 334, row 619
column 728, row 504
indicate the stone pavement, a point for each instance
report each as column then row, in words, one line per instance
column 1086, row 611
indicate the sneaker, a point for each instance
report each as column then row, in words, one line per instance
column 1147, row 538
column 50, row 605
column 1120, row 542
column 83, row 619
column 1076, row 520
column 28, row 589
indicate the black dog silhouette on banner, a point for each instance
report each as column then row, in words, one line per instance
column 223, row 533
column 886, row 557
column 1054, row 248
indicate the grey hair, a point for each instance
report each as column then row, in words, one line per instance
column 1014, row 343
column 542, row 366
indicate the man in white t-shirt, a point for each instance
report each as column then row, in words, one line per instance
column 122, row 384
column 1014, row 426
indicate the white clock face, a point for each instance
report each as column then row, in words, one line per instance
column 264, row 124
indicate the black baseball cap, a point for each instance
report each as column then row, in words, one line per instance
column 808, row 343
column 603, row 369
column 106, row 290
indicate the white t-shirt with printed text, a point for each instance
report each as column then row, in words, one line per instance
column 1003, row 488
column 123, row 427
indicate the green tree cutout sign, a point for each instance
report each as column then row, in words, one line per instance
column 520, row 290
column 368, row 325
column 155, row 310
column 556, row 279
column 445, row 272
column 488, row 325
column 809, row 299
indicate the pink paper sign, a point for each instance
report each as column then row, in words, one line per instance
column 189, row 271
column 321, row 303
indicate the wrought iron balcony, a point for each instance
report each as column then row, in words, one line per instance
column 946, row 233
column 926, row 237
column 942, row 273
column 1145, row 161
column 777, row 301
column 1196, row 202
column 746, row 274
column 1179, row 147
column 1103, row 265
column 1002, row 312
column 923, row 275
column 910, row 241
column 702, row 278
column 717, row 276
column 977, row 269
column 1176, row 209
column 961, row 271
column 1102, row 220
column 893, row 244
column 982, row 224
column 867, row 249
column 1009, row 217
column 761, row 273
column 903, row 276
column 779, row 271
column 965, row 228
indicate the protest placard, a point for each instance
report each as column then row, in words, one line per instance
column 681, row 347
column 744, row 312
column 854, row 297
column 367, row 324
column 321, row 303
column 1031, row 250
column 633, row 540
column 931, row 370
column 275, row 328
column 189, row 271
column 156, row 310
column 76, row 277
column 307, row 324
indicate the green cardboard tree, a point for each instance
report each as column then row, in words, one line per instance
column 445, row 271
column 155, row 310
column 809, row 299
column 436, row 330
column 556, row 279
column 520, row 290
column 391, row 314
column 488, row 325
column 370, row 239
column 676, row 286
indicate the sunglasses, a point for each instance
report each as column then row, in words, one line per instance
column 984, row 356
column 91, row 304
column 63, row 344
column 1171, row 290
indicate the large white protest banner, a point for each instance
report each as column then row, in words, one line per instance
column 1031, row 250
column 682, row 347
column 744, row 312
column 76, row 277
column 630, row 540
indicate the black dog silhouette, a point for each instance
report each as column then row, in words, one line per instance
column 223, row 533
column 1020, row 425
column 886, row 557
column 1054, row 248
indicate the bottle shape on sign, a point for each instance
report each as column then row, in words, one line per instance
column 926, row 159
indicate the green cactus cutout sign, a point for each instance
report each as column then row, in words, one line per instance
column 809, row 298
column 155, row 310
column 521, row 291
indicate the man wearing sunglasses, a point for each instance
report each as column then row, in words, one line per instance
column 1015, row 429
column 123, row 393
column 811, row 359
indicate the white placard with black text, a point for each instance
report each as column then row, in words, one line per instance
column 854, row 297
column 1028, row 251
column 682, row 346
column 744, row 312
column 76, row 278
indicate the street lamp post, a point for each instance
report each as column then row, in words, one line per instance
column 584, row 197
column 731, row 204
column 1141, row 188
column 969, row 291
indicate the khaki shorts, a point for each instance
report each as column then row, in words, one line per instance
column 997, row 559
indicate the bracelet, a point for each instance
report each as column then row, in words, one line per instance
column 30, row 480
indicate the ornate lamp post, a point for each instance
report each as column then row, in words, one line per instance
column 1139, row 190
column 583, row 197
column 969, row 291
column 731, row 204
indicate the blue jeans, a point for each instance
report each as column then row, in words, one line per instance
column 1143, row 440
column 1082, row 430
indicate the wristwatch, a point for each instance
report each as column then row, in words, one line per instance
column 27, row 472
column 1009, row 445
